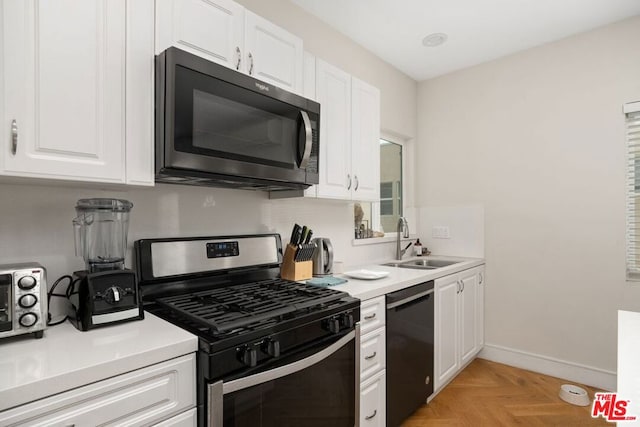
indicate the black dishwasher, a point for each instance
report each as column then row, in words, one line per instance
column 409, row 350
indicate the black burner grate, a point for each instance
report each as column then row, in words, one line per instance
column 248, row 306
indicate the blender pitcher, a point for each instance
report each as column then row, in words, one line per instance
column 101, row 233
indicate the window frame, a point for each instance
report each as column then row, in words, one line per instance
column 375, row 206
column 632, row 237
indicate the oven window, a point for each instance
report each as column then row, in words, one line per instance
column 319, row 396
column 5, row 302
column 217, row 118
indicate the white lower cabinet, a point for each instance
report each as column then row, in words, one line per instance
column 373, row 401
column 373, row 352
column 459, row 322
column 164, row 393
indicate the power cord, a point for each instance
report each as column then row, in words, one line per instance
column 70, row 290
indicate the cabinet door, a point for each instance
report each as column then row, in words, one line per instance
column 273, row 54
column 480, row 309
column 212, row 29
column 64, row 89
column 468, row 315
column 365, row 141
column 446, row 327
column 139, row 94
column 373, row 402
column 333, row 90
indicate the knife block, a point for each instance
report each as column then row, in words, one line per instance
column 292, row 270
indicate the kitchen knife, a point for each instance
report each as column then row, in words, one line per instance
column 294, row 235
column 305, row 230
column 308, row 238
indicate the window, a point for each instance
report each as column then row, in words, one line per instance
column 632, row 111
column 382, row 217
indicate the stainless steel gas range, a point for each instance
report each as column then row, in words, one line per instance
column 271, row 352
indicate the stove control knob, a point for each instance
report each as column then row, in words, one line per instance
column 114, row 294
column 333, row 326
column 28, row 319
column 249, row 356
column 27, row 282
column 27, row 301
column 271, row 347
column 347, row 320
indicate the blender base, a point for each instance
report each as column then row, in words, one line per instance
column 105, row 298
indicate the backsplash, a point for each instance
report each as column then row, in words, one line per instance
column 36, row 224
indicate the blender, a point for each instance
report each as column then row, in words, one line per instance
column 107, row 292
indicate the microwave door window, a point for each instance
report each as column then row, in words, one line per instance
column 240, row 132
column 218, row 119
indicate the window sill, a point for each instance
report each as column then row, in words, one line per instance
column 379, row 240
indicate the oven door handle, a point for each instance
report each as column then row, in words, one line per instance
column 217, row 390
column 308, row 140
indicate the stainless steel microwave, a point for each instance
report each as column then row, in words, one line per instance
column 218, row 127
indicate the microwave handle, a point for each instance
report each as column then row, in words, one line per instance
column 308, row 142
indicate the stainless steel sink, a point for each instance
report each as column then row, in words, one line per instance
column 422, row 264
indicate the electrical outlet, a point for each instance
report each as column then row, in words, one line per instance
column 440, row 232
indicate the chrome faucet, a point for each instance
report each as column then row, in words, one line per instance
column 403, row 228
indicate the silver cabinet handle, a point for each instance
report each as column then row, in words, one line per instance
column 368, row 417
column 250, row 64
column 239, row 55
column 357, row 182
column 369, row 317
column 481, row 278
column 459, row 287
column 349, row 185
column 462, row 284
column 14, row 137
column 371, row 356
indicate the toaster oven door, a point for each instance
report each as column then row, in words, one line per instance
column 6, row 302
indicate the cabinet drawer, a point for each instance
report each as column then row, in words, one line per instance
column 372, row 313
column 140, row 397
column 373, row 402
column 185, row 419
column 372, row 353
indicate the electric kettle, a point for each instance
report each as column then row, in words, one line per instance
column 322, row 257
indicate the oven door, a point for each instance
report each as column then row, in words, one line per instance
column 219, row 120
column 6, row 303
column 315, row 390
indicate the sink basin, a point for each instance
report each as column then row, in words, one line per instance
column 422, row 264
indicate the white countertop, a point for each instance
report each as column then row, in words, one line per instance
column 400, row 278
column 66, row 358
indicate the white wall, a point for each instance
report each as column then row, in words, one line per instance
column 538, row 139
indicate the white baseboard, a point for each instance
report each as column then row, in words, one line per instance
column 587, row 375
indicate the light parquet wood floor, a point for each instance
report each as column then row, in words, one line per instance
column 491, row 394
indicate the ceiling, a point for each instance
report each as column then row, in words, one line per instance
column 477, row 30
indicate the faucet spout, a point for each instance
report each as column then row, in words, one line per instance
column 402, row 229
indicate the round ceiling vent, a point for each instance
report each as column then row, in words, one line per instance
column 435, row 39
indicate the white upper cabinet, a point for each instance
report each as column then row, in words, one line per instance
column 273, row 54
column 333, row 91
column 223, row 31
column 64, row 89
column 65, row 110
column 211, row 29
column 349, row 135
column 365, row 141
